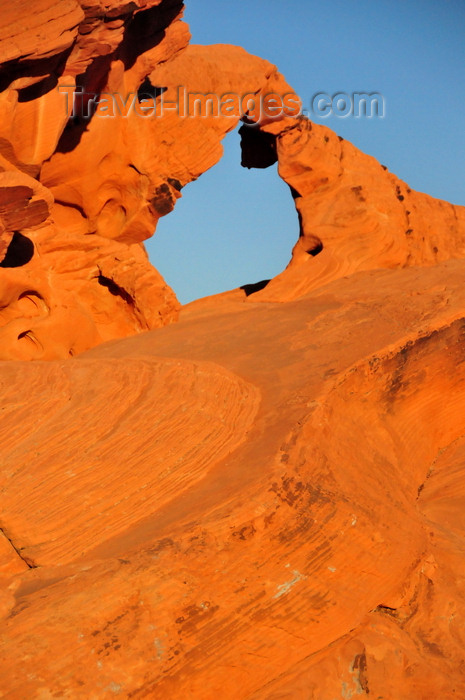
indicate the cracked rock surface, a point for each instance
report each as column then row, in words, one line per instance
column 258, row 496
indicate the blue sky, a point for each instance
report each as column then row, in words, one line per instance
column 235, row 226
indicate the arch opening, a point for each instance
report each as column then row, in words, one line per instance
column 234, row 227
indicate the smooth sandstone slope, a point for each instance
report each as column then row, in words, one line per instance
column 295, row 533
column 262, row 497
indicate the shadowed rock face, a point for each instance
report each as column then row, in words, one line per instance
column 260, row 497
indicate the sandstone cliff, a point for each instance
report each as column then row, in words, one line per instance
column 261, row 496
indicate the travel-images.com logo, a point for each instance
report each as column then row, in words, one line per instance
column 149, row 102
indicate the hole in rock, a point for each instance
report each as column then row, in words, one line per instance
column 30, row 339
column 24, row 334
column 115, row 289
column 258, row 148
column 252, row 288
column 31, row 302
column 232, row 228
column 315, row 246
column 149, row 91
column 20, row 251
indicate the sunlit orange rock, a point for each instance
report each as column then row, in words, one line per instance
column 110, row 174
column 81, row 287
column 354, row 214
column 198, row 520
column 261, row 496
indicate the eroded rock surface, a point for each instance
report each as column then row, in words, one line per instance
column 354, row 214
column 279, row 528
column 261, row 497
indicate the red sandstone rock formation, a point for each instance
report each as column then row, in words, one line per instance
column 262, row 500
column 354, row 214
column 92, row 281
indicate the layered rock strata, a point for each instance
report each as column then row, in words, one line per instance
column 261, row 496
